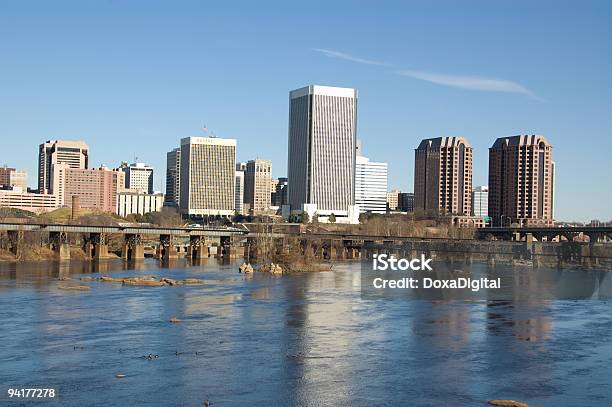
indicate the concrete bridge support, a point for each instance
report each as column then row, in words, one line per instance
column 15, row 238
column 198, row 249
column 227, row 250
column 58, row 242
column 166, row 249
column 97, row 246
column 133, row 249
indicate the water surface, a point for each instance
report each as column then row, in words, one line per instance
column 305, row 339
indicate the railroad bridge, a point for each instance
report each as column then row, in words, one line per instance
column 95, row 239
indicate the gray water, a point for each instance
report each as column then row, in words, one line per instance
column 305, row 339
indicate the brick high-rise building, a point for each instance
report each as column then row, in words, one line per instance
column 75, row 154
column 443, row 176
column 10, row 177
column 96, row 188
column 521, row 181
column 258, row 185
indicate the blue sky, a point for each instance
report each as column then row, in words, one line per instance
column 131, row 78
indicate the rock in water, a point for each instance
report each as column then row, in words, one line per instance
column 168, row 281
column 74, row 287
column 507, row 403
column 191, row 281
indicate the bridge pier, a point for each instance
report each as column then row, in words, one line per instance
column 97, row 246
column 166, row 249
column 15, row 238
column 197, row 248
column 58, row 242
column 226, row 247
column 133, row 249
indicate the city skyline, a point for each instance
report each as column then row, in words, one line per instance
column 422, row 77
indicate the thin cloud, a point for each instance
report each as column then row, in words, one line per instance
column 340, row 55
column 471, row 83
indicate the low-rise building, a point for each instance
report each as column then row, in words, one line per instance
column 18, row 198
column 129, row 202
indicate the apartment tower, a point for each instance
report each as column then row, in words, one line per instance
column 75, row 154
column 207, row 176
column 521, row 173
column 322, row 142
column 443, row 176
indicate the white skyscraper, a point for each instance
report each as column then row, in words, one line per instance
column 208, row 176
column 370, row 185
column 322, row 142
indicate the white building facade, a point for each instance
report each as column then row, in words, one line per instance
column 138, row 203
column 480, row 201
column 138, row 177
column 322, row 144
column 370, row 185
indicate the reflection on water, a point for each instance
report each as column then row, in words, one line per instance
column 307, row 339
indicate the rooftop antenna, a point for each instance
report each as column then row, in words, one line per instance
column 208, row 132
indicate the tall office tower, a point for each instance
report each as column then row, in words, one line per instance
column 10, row 177
column 322, row 143
column 75, row 154
column 239, row 194
column 480, row 201
column 96, row 188
column 521, row 181
column 257, row 185
column 279, row 195
column 392, row 199
column 208, row 176
column 138, row 177
column 173, row 177
column 370, row 185
column 443, row 176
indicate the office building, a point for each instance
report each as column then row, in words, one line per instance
column 18, row 198
column 279, row 195
column 96, row 188
column 521, row 181
column 10, row 177
column 239, row 196
column 322, row 144
column 138, row 177
column 74, row 154
column 443, row 176
column 173, row 177
column 405, row 202
column 208, row 176
column 370, row 185
column 392, row 199
column 131, row 202
column 257, row 185
column 480, row 201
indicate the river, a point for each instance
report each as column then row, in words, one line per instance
column 304, row 339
